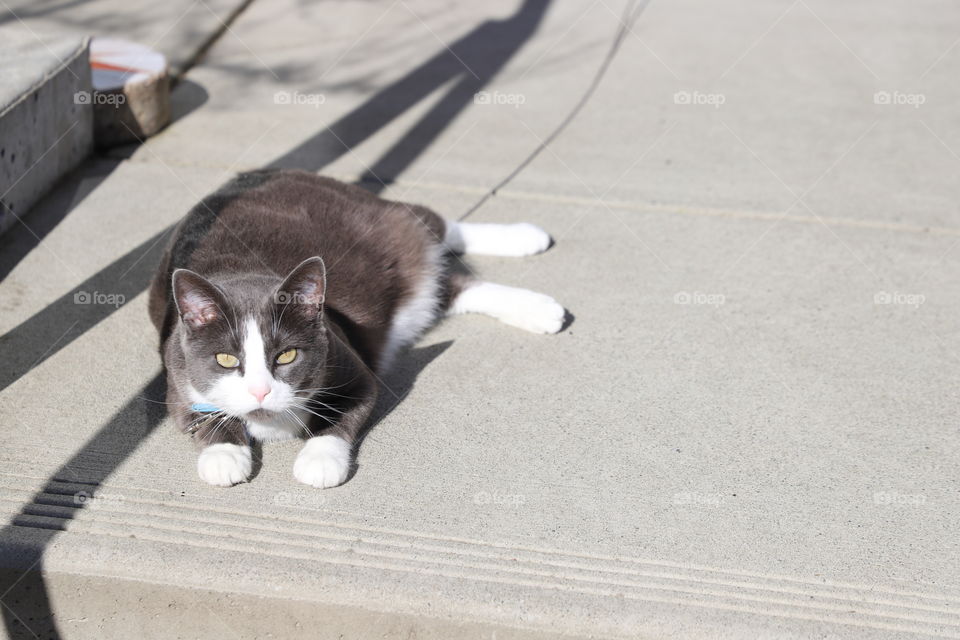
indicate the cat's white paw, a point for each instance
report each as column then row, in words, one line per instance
column 323, row 462
column 535, row 312
column 511, row 240
column 524, row 239
column 224, row 464
column 522, row 308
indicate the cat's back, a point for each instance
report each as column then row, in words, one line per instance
column 269, row 221
column 277, row 218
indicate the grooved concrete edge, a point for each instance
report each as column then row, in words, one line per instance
column 215, row 613
column 318, row 546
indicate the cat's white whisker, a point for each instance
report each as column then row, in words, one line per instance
column 324, row 391
column 306, row 430
column 313, row 411
column 312, row 402
column 171, row 404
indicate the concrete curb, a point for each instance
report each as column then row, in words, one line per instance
column 45, row 92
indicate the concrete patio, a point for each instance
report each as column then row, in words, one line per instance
column 749, row 430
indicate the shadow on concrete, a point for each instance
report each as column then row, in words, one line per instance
column 71, row 315
column 27, row 233
column 186, row 97
column 394, row 388
column 474, row 59
column 23, row 541
column 471, row 62
column 397, row 384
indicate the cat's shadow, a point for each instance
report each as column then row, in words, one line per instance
column 395, row 386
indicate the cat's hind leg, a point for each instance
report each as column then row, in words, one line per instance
column 512, row 240
column 521, row 308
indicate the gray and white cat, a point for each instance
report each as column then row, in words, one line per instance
column 282, row 294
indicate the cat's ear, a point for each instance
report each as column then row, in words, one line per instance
column 304, row 289
column 198, row 301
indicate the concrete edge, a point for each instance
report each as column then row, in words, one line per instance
column 93, row 606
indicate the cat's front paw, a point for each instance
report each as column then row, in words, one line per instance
column 225, row 464
column 323, row 462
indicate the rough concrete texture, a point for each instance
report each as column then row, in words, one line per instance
column 46, row 119
column 180, row 29
column 748, row 430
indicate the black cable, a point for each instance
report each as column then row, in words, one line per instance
column 630, row 16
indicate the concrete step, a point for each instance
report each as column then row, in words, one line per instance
column 303, row 554
column 46, row 117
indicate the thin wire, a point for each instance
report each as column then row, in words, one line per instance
column 630, row 17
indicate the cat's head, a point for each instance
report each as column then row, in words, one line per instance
column 252, row 345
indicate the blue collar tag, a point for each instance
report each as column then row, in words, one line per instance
column 203, row 407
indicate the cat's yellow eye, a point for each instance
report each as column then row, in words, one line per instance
column 227, row 361
column 287, row 356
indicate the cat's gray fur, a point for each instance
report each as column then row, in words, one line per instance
column 238, row 245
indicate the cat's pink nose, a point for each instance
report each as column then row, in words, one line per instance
column 259, row 392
